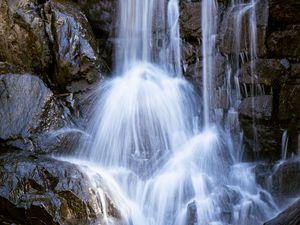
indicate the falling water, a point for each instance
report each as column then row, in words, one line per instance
column 209, row 17
column 144, row 143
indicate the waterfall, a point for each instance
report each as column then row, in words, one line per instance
column 144, row 143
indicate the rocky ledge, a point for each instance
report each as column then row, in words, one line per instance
column 42, row 190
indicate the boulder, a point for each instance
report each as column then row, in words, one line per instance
column 41, row 190
column 28, row 109
column 24, row 45
column 76, row 52
column 289, row 216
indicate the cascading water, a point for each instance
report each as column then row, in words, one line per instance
column 143, row 140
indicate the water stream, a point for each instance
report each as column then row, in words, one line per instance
column 145, row 141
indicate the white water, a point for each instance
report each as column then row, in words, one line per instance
column 145, row 145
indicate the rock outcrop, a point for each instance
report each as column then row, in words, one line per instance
column 28, row 109
column 77, row 62
column 41, row 190
column 24, row 45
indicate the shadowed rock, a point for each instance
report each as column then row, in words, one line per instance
column 290, row 216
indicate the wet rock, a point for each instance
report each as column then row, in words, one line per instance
column 285, row 179
column 284, row 12
column 192, row 216
column 289, row 216
column 289, row 99
column 263, row 171
column 76, row 53
column 262, row 139
column 285, row 43
column 236, row 24
column 101, row 16
column 28, row 108
column 269, row 72
column 295, row 71
column 259, row 107
column 41, row 190
column 190, row 20
column 24, row 44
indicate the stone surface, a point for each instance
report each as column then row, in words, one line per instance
column 289, row 101
column 24, row 44
column 289, row 216
column 285, row 43
column 285, row 179
column 41, row 190
column 75, row 49
column 101, row 16
column 259, row 107
column 28, row 108
column 284, row 12
column 269, row 72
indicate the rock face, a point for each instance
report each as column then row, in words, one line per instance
column 101, row 15
column 23, row 98
column 52, row 39
column 24, row 44
column 290, row 216
column 285, row 179
column 74, row 46
column 41, row 190
column 28, row 108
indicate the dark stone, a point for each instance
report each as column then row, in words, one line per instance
column 24, row 45
column 289, row 101
column 263, row 171
column 190, row 20
column 285, row 43
column 259, row 107
column 269, row 72
column 41, row 190
column 285, row 179
column 262, row 139
column 227, row 30
column 101, row 16
column 284, row 12
column 76, row 52
column 28, row 108
column 289, row 216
